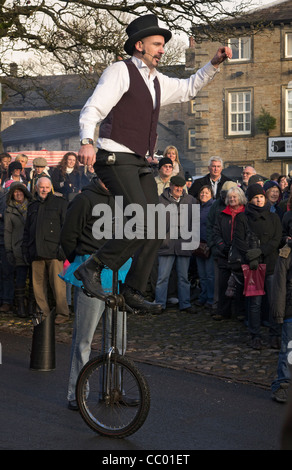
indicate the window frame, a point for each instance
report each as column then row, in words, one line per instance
column 190, row 137
column 287, row 33
column 287, row 91
column 240, row 49
column 228, row 119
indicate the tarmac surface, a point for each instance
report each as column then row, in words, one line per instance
column 190, row 342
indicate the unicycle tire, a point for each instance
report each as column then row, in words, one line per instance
column 120, row 409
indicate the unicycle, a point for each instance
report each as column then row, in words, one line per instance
column 112, row 394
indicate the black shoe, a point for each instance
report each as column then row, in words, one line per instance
column 191, row 310
column 72, row 405
column 89, row 273
column 135, row 300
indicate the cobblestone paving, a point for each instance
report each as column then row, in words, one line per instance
column 196, row 343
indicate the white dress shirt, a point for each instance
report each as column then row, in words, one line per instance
column 115, row 81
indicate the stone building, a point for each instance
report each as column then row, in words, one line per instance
column 258, row 79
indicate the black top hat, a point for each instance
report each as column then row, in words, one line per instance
column 143, row 27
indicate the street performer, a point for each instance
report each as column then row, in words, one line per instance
column 126, row 101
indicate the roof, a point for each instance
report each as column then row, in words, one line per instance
column 39, row 129
column 63, row 92
column 274, row 13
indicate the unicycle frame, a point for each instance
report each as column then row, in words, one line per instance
column 111, row 413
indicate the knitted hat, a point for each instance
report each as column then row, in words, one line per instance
column 269, row 184
column 254, row 190
column 164, row 161
column 143, row 27
column 255, row 179
column 178, row 180
column 14, row 166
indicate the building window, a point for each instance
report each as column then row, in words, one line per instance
column 192, row 106
column 239, row 113
column 288, row 45
column 191, row 139
column 288, row 111
column 241, row 48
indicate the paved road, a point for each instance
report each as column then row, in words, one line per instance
column 188, row 411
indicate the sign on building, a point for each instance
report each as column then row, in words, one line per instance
column 280, row 147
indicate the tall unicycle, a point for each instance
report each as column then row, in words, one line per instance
column 112, row 394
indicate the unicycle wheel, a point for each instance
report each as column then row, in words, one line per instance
column 113, row 396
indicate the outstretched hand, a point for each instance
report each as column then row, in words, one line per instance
column 222, row 54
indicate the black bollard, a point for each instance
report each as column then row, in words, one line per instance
column 42, row 355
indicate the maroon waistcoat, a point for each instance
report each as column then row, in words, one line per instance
column 133, row 121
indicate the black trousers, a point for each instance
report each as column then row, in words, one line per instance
column 130, row 177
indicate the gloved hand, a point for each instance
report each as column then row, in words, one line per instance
column 254, row 264
column 253, row 254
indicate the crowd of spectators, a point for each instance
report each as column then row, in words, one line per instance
column 246, row 222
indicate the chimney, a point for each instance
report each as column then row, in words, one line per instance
column 190, row 55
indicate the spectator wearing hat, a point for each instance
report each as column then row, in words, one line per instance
column 14, row 170
column 17, row 200
column 214, row 178
column 273, row 196
column 171, row 252
column 6, row 269
column 127, row 102
column 40, row 169
column 253, row 179
column 257, row 236
column 165, row 167
column 189, row 180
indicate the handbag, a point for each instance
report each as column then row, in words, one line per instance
column 203, row 251
column 254, row 280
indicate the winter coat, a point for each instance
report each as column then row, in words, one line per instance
column 204, row 211
column 14, row 224
column 266, row 227
column 216, row 208
column 76, row 235
column 69, row 184
column 172, row 246
column 205, row 181
column 41, row 238
column 2, row 216
column 281, row 302
column 222, row 233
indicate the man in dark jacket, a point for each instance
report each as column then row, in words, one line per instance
column 79, row 242
column 41, row 247
column 215, row 179
column 171, row 250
